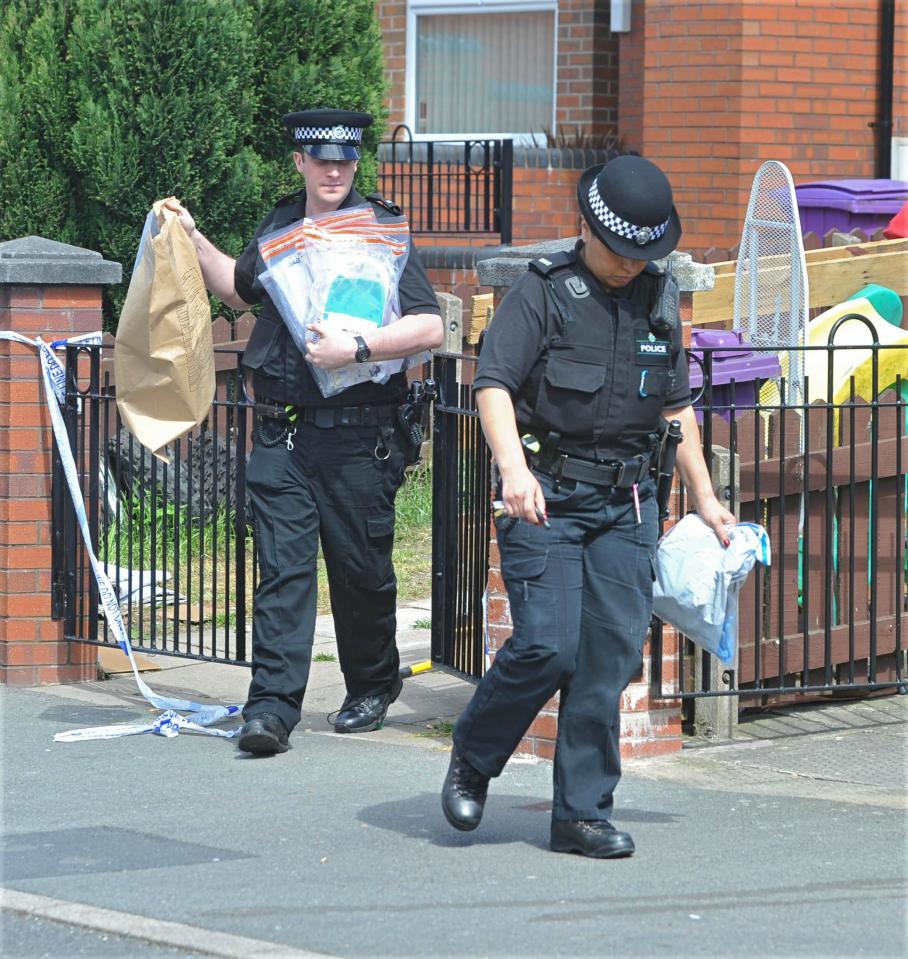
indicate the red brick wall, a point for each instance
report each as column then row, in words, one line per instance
column 392, row 18
column 729, row 84
column 586, row 91
column 32, row 648
column 631, row 52
column 545, row 204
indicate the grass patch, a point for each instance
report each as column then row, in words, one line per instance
column 422, row 624
column 324, row 658
column 440, row 729
column 201, row 560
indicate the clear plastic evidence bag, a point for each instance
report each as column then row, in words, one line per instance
column 341, row 268
column 698, row 580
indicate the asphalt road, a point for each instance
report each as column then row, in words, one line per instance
column 789, row 843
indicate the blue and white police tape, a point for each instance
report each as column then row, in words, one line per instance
column 170, row 722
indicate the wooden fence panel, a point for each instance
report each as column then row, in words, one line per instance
column 809, row 613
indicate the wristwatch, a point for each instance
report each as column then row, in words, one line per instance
column 362, row 351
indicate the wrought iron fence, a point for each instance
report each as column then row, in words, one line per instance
column 461, row 477
column 452, row 186
column 827, row 479
column 173, row 537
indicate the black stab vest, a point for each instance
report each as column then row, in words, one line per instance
column 279, row 370
column 602, row 378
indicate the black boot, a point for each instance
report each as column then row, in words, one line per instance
column 264, row 735
column 464, row 794
column 590, row 837
column 363, row 714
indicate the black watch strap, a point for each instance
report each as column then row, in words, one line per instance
column 362, row 351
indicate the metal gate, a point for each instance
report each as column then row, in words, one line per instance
column 461, row 479
column 174, row 538
column 827, row 479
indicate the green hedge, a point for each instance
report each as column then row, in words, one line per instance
column 108, row 105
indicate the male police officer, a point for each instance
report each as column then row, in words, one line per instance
column 321, row 468
column 584, row 355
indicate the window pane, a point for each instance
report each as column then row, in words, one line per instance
column 485, row 72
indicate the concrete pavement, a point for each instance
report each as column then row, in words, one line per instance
column 787, row 842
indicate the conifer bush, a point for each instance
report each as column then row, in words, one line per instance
column 108, row 105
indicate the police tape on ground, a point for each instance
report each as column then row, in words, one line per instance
column 170, row 722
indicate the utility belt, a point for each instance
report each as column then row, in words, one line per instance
column 326, row 417
column 622, row 474
column 409, row 415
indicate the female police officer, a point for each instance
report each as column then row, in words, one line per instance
column 321, row 468
column 581, row 359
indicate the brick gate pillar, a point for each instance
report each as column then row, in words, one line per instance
column 650, row 724
column 53, row 290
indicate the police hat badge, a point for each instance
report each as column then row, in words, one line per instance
column 328, row 134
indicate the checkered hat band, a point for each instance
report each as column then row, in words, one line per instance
column 613, row 222
column 311, row 134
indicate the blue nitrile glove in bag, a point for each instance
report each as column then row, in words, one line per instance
column 698, row 580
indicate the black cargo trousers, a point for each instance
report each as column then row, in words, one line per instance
column 580, row 596
column 337, row 485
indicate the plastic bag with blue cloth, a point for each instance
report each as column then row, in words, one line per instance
column 698, row 580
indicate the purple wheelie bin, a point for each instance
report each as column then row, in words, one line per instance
column 737, row 371
column 848, row 205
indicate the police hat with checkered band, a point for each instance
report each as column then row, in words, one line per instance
column 628, row 205
column 328, row 134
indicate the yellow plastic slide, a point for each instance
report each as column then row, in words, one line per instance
column 853, row 362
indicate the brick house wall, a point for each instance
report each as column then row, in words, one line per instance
column 51, row 290
column 728, row 85
column 392, row 17
column 710, row 90
column 900, row 89
column 586, row 90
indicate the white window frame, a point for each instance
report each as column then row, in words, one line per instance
column 428, row 7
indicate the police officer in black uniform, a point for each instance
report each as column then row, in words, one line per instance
column 582, row 359
column 321, row 468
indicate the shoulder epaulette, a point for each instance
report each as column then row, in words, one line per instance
column 291, row 198
column 653, row 269
column 378, row 200
column 551, row 262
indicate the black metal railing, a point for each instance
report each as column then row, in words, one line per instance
column 451, row 186
column 826, row 477
column 174, row 538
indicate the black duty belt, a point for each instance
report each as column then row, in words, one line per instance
column 621, row 473
column 326, row 417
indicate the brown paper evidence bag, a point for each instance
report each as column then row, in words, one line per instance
column 164, row 357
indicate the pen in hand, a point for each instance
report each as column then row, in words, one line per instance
column 499, row 511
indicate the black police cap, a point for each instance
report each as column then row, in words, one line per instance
column 328, row 134
column 628, row 205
